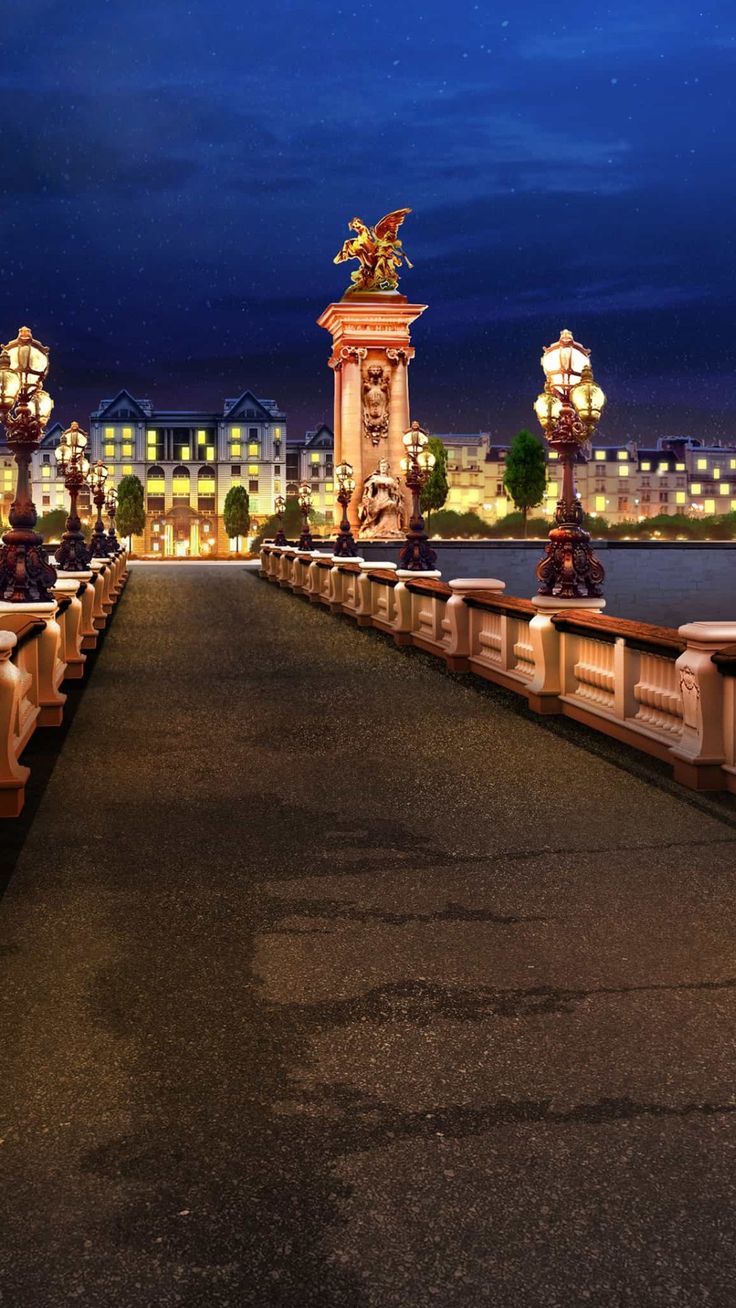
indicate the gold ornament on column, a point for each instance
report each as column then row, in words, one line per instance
column 379, row 252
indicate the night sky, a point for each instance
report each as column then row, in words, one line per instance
column 179, row 175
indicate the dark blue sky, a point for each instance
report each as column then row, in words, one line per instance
column 178, row 175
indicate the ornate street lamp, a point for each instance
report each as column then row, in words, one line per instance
column 26, row 575
column 418, row 462
column 344, row 544
column 569, row 410
column 71, row 456
column 111, row 505
column 99, row 545
column 280, row 507
column 305, row 503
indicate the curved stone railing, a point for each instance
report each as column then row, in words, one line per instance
column 41, row 647
column 669, row 693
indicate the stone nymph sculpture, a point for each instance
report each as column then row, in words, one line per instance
column 381, row 512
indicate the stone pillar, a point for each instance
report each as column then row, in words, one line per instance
column 370, row 329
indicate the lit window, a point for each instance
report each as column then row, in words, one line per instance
column 600, row 455
column 600, row 503
column 680, row 497
column 315, row 456
column 234, row 433
column 201, row 437
column 109, row 451
column 554, row 455
column 716, row 473
column 622, row 455
column 235, row 451
column 552, row 488
column 663, row 467
column 646, row 467
column 277, row 433
column 156, row 546
column 733, row 506
column 46, row 472
column 127, row 469
column 710, row 506
column 184, row 453
column 253, row 448
column 206, row 485
column 127, row 451
column 733, row 463
column 252, row 469
column 210, row 452
column 157, row 526
column 680, row 467
column 109, row 431
column 623, row 470
column 180, row 485
column 696, row 488
column 725, row 488
column 111, row 469
column 127, row 432
column 329, row 486
column 702, row 464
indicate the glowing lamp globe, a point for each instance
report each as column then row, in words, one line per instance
column 41, row 404
column 588, row 399
column 564, row 362
column 548, row 408
column 28, row 358
column 426, row 461
column 9, row 383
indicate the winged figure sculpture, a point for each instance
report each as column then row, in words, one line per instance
column 379, row 252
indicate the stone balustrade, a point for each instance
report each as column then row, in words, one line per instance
column 42, row 646
column 669, row 693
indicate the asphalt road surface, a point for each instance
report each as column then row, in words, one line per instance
column 331, row 980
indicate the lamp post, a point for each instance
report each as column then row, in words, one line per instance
column 111, row 505
column 99, row 545
column 305, row 504
column 568, row 410
column 71, row 456
column 26, row 575
column 280, row 507
column 417, row 555
column 344, row 544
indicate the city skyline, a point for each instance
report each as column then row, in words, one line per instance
column 175, row 197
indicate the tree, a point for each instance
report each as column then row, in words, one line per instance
column 292, row 523
column 526, row 473
column 236, row 513
column 52, row 525
column 130, row 519
column 437, row 486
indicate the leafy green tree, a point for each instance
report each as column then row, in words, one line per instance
column 292, row 523
column 52, row 525
column 435, row 491
column 236, row 514
column 130, row 519
column 526, row 473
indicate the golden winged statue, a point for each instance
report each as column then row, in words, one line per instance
column 379, row 253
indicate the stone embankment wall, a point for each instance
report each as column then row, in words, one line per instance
column 666, row 583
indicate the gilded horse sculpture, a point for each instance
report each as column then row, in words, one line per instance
column 379, row 253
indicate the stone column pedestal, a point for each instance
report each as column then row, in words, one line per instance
column 370, row 331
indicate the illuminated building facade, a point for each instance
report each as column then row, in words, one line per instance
column 188, row 461
column 618, row 483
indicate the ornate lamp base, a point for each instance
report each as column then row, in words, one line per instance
column 417, row 554
column 26, row 576
column 570, row 568
column 305, row 541
column 345, row 545
column 99, row 545
column 73, row 554
column 280, row 537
